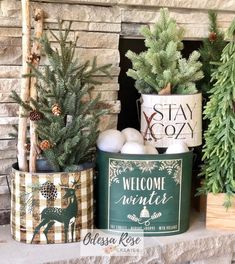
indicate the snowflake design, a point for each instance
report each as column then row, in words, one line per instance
column 146, row 166
column 117, row 168
column 172, row 167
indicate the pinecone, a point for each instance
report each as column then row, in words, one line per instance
column 35, row 115
column 45, row 144
column 49, row 191
column 212, row 36
column 34, row 58
column 27, row 146
column 56, row 110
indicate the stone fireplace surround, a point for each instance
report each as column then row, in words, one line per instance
column 100, row 24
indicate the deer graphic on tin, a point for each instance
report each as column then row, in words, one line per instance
column 66, row 216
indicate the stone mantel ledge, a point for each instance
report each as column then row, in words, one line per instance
column 196, row 246
column 228, row 5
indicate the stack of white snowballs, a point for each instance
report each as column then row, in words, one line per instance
column 130, row 141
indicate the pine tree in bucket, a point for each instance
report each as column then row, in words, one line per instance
column 165, row 78
column 67, row 122
column 161, row 69
column 219, row 158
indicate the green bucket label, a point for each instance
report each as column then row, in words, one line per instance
column 145, row 194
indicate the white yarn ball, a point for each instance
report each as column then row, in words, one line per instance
column 150, row 149
column 133, row 147
column 177, row 147
column 132, row 134
column 110, row 140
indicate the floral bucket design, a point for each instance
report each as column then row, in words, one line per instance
column 147, row 192
column 49, row 207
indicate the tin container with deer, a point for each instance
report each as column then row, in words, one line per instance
column 51, row 207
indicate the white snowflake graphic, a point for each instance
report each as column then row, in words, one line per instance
column 146, row 166
column 117, row 167
column 172, row 167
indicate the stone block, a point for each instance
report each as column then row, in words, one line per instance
column 6, row 165
column 7, row 144
column 11, row 32
column 97, row 40
column 3, row 180
column 182, row 16
column 5, row 200
column 5, row 217
column 227, row 259
column 9, row 109
column 108, row 122
column 104, row 95
column 10, row 8
column 8, row 120
column 8, row 154
column 105, row 27
column 10, row 55
column 84, row 13
column 9, row 72
column 189, row 4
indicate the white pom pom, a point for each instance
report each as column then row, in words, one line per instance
column 133, row 147
column 111, row 140
column 177, row 147
column 150, row 149
column 132, row 134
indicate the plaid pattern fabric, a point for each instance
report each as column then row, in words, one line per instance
column 28, row 202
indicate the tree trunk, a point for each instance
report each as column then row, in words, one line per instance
column 35, row 55
column 24, row 93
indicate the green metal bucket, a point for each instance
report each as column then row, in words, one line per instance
column 147, row 192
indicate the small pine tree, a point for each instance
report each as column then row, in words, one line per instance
column 162, row 64
column 67, row 123
column 219, row 151
column 211, row 51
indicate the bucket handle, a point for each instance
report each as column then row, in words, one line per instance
column 138, row 102
column 8, row 184
column 194, row 157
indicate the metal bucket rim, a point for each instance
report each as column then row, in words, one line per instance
column 171, row 95
column 149, row 156
column 82, row 167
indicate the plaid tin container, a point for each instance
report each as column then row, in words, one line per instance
column 51, row 207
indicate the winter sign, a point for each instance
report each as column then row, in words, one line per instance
column 165, row 119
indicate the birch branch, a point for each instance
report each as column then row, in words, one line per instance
column 35, row 59
column 25, row 82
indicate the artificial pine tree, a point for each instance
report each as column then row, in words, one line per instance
column 162, row 65
column 211, row 52
column 67, row 129
column 219, row 148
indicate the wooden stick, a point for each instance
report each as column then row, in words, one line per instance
column 166, row 90
column 24, row 93
column 35, row 59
